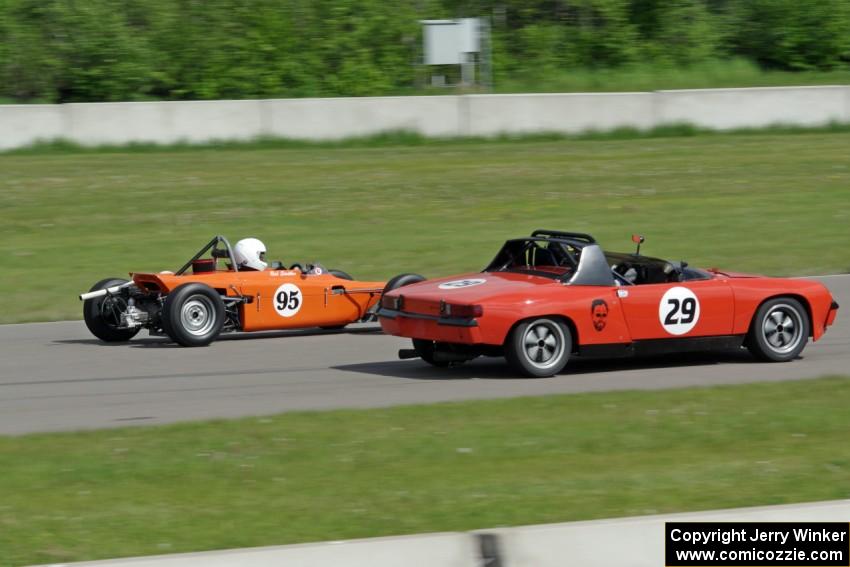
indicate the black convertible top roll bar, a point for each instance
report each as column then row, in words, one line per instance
column 216, row 253
column 558, row 233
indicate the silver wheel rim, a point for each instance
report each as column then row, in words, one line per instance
column 198, row 315
column 543, row 343
column 782, row 328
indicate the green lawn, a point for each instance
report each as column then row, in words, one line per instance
column 734, row 73
column 764, row 202
column 347, row 474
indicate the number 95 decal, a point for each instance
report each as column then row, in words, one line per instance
column 287, row 300
column 678, row 310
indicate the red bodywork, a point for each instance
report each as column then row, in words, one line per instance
column 727, row 303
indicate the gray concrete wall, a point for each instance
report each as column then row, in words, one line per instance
column 567, row 113
column 337, row 118
column 23, row 124
column 753, row 108
column 636, row 542
column 444, row 116
column 426, row 550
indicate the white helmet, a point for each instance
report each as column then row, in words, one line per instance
column 251, row 254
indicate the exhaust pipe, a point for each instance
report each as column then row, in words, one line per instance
column 102, row 292
column 407, row 353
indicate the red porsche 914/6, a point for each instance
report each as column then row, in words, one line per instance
column 557, row 294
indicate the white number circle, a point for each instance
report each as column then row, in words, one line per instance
column 287, row 300
column 678, row 310
column 461, row 283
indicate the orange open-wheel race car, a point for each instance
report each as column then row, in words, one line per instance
column 204, row 298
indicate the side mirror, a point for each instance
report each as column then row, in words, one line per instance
column 638, row 239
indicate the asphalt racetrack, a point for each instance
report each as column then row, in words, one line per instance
column 57, row 377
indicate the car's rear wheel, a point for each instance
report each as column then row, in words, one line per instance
column 103, row 314
column 402, row 280
column 539, row 347
column 193, row 315
column 779, row 331
column 396, row 282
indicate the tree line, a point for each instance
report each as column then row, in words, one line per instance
column 110, row 50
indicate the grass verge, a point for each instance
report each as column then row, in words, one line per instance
column 409, row 138
column 763, row 202
column 348, row 474
column 710, row 74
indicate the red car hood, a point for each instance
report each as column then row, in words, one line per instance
column 473, row 288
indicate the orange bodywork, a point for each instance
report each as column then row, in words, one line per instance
column 279, row 299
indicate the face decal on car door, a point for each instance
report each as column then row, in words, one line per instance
column 599, row 313
column 678, row 310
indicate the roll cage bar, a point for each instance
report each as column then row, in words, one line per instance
column 589, row 266
column 559, row 234
column 216, row 253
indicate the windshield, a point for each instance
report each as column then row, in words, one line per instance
column 540, row 257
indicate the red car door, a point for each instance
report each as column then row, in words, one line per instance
column 696, row 308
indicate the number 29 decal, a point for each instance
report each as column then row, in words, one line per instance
column 287, row 300
column 678, row 310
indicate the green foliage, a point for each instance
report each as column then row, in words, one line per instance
column 686, row 33
column 101, row 50
column 791, row 34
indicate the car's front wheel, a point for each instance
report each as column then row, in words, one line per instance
column 193, row 315
column 779, row 330
column 539, row 347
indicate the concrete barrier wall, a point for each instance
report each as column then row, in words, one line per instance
column 163, row 122
column 564, row 113
column 485, row 115
column 427, row 550
column 23, row 124
column 636, row 542
column 337, row 118
column 753, row 108
column 639, row 541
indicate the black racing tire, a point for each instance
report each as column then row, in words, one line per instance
column 102, row 314
column 779, row 330
column 539, row 347
column 402, row 280
column 425, row 349
column 193, row 315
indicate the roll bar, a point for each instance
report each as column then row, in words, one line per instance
column 213, row 244
column 558, row 233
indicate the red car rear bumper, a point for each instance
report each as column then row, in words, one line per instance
column 441, row 329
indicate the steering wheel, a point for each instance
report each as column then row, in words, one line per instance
column 619, row 274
